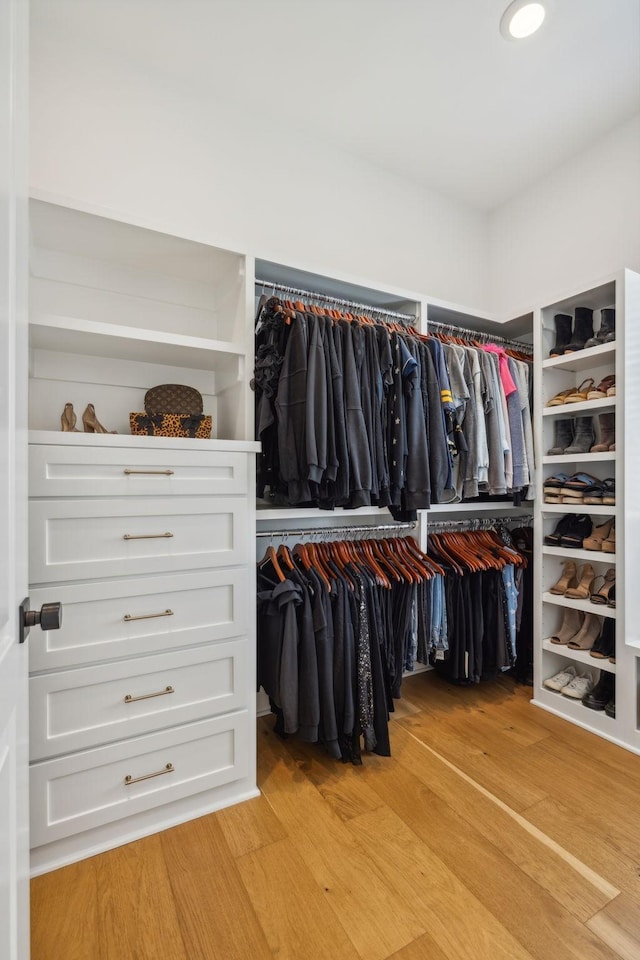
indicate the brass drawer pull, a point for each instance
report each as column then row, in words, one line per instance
column 145, row 536
column 148, row 696
column 128, row 780
column 147, row 616
column 155, row 473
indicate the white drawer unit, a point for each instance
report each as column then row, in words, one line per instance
column 113, row 619
column 85, row 790
column 78, row 709
column 88, row 539
column 76, row 471
column 143, row 702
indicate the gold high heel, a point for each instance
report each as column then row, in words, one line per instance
column 68, row 419
column 585, row 583
column 91, row 423
column 568, row 579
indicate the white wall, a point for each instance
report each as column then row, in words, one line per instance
column 577, row 225
column 105, row 135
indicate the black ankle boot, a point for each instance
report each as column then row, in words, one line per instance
column 563, row 334
column 602, row 693
column 607, row 331
column 605, row 645
column 562, row 438
column 582, row 329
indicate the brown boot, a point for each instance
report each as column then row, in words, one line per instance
column 607, row 422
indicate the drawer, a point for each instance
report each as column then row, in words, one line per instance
column 84, row 790
column 126, row 618
column 68, row 471
column 77, row 709
column 91, row 539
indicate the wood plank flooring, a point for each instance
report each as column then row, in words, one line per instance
column 495, row 832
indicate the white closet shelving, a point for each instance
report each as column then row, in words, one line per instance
column 143, row 703
column 553, row 375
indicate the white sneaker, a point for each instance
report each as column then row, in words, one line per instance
column 579, row 687
column 562, row 679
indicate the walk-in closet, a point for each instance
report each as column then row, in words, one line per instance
column 318, row 630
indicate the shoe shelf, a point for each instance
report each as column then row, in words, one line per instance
column 610, row 456
column 599, row 609
column 582, row 359
column 592, row 509
column 579, row 656
column 590, row 556
column 585, row 406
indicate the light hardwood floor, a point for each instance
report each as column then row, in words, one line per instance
column 495, row 832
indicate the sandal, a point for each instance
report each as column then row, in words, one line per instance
column 574, row 489
column 582, row 590
column 609, row 491
column 601, row 595
column 601, row 392
column 611, row 602
column 560, row 398
column 593, row 494
column 552, row 487
column 581, row 393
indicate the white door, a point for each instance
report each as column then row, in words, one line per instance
column 14, row 807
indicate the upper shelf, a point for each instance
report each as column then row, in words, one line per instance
column 586, row 406
column 116, row 342
column 582, row 359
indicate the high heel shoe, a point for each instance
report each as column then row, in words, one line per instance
column 570, row 627
column 91, row 423
column 588, row 633
column 68, row 419
column 568, row 579
column 585, row 583
column 599, row 535
column 602, row 594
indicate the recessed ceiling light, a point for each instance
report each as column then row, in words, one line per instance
column 521, row 19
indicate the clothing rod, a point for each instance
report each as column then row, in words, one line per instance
column 283, row 288
column 477, row 523
column 464, row 332
column 320, row 531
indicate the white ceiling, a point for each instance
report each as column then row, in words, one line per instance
column 426, row 89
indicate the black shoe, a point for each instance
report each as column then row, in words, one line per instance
column 562, row 526
column 602, row 693
column 607, row 331
column 605, row 645
column 582, row 329
column 563, row 322
column 580, row 527
column 610, row 709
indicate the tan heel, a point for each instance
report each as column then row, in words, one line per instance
column 568, row 579
column 609, row 545
column 599, row 535
column 588, row 634
column 572, row 621
column 91, row 423
column 68, row 419
column 583, row 590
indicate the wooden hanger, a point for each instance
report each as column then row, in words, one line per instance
column 270, row 556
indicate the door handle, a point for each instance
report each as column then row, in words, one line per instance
column 49, row 617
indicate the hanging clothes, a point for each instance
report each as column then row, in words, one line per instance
column 355, row 412
column 474, row 613
column 337, row 625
